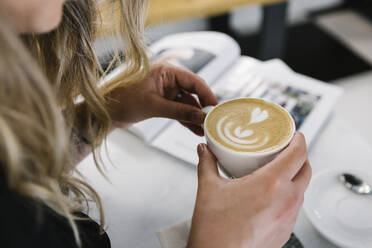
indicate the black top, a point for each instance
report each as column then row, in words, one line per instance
column 28, row 224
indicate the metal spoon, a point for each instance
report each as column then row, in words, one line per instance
column 355, row 184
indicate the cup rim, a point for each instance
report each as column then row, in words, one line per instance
column 270, row 152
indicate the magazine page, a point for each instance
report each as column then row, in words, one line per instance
column 208, row 54
column 309, row 101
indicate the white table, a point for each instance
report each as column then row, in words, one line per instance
column 150, row 190
column 352, row 121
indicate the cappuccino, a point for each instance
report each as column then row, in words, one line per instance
column 249, row 125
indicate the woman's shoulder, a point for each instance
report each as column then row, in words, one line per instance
column 27, row 223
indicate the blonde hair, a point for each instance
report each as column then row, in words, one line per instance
column 40, row 78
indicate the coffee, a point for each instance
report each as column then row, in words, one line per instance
column 249, row 125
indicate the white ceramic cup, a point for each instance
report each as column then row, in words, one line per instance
column 238, row 164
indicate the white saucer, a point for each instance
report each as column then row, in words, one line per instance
column 342, row 216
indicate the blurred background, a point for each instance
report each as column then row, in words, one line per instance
column 324, row 39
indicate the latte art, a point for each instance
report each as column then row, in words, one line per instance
column 249, row 125
column 238, row 137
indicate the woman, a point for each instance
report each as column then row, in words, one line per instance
column 47, row 61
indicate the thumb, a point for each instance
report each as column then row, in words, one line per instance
column 207, row 167
column 178, row 111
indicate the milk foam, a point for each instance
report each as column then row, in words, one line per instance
column 249, row 125
column 239, row 136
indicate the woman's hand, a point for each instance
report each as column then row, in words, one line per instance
column 257, row 211
column 166, row 92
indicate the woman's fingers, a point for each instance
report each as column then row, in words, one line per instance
column 176, row 110
column 175, row 100
column 289, row 162
column 187, row 98
column 207, row 167
column 194, row 84
column 303, row 177
column 198, row 130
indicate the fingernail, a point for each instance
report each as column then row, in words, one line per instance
column 200, row 149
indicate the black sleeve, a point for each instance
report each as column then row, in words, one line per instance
column 27, row 224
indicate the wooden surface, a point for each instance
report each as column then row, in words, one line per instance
column 162, row 11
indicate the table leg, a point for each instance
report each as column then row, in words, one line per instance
column 220, row 23
column 273, row 31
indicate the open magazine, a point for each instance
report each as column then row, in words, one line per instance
column 217, row 58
